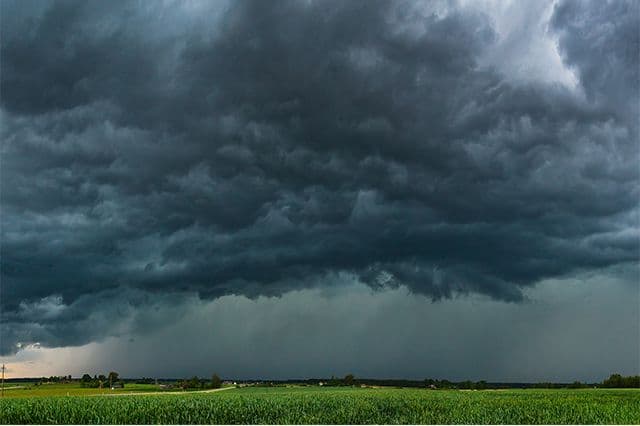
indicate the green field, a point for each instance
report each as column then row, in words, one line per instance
column 333, row 405
column 27, row 390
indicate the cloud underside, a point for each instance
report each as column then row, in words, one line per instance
column 254, row 149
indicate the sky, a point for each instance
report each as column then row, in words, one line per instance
column 308, row 188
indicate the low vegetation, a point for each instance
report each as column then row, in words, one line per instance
column 327, row 405
column 96, row 399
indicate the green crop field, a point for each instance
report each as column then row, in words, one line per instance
column 27, row 390
column 333, row 405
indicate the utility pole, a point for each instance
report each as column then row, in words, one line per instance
column 2, row 394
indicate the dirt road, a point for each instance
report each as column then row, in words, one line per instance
column 164, row 392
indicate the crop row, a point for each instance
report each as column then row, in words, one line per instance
column 341, row 407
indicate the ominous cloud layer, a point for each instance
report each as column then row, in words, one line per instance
column 581, row 328
column 151, row 151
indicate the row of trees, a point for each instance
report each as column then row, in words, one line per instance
column 614, row 381
column 348, row 380
column 100, row 381
column 618, row 381
column 55, row 379
column 196, row 383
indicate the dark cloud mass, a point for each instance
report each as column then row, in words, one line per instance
column 253, row 148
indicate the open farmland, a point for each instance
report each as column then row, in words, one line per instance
column 313, row 405
column 28, row 390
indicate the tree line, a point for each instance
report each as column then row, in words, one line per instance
column 618, row 381
column 197, row 383
column 113, row 379
column 614, row 381
column 101, row 381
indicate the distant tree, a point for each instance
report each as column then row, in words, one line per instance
column 113, row 377
column 614, row 381
column 85, row 378
column 194, row 383
column 618, row 381
column 216, row 382
column 632, row 382
column 349, row 380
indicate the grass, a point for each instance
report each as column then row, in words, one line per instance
column 314, row 405
column 28, row 390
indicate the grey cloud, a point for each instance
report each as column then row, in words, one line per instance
column 251, row 149
column 91, row 317
column 602, row 42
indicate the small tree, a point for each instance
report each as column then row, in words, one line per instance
column 349, row 380
column 113, row 377
column 194, row 383
column 216, row 382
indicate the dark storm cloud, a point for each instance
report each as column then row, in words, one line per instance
column 253, row 149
